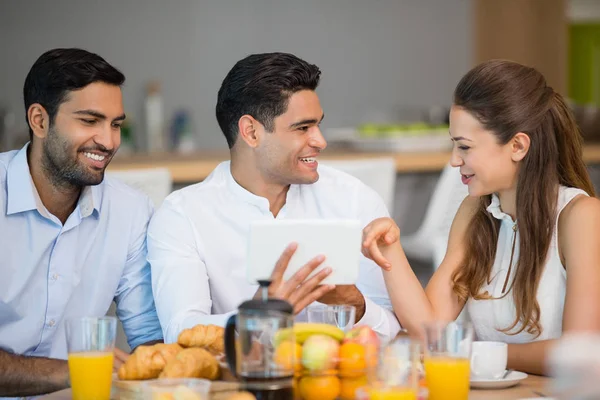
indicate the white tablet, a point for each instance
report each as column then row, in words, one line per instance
column 338, row 240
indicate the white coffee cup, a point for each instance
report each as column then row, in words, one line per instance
column 488, row 360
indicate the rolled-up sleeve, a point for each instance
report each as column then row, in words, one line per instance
column 135, row 304
column 180, row 281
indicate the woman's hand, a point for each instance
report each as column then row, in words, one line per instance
column 377, row 236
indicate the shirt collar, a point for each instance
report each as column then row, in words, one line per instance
column 496, row 211
column 262, row 203
column 90, row 200
column 241, row 193
column 23, row 195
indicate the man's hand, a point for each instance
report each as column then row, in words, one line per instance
column 349, row 295
column 378, row 235
column 298, row 291
column 119, row 359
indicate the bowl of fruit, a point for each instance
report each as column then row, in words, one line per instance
column 328, row 363
column 176, row 389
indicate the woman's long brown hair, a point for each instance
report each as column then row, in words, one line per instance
column 508, row 98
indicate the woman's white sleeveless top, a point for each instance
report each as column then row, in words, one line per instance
column 488, row 316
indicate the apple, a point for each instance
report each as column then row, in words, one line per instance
column 365, row 336
column 320, row 352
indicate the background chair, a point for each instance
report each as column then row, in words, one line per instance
column 157, row 184
column 429, row 242
column 377, row 173
column 154, row 182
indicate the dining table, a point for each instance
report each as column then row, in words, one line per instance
column 531, row 387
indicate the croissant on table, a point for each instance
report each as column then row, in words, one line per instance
column 147, row 362
column 193, row 362
column 209, row 337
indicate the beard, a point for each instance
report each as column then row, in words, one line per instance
column 63, row 168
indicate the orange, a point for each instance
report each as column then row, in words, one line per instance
column 288, row 355
column 353, row 359
column 319, row 387
column 326, row 372
column 349, row 386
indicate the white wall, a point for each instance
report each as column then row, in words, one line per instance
column 583, row 10
column 376, row 56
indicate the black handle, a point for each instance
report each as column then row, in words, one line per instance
column 264, row 289
column 230, row 353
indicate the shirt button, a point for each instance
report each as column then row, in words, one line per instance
column 54, row 277
column 51, row 322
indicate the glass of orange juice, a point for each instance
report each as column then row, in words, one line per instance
column 446, row 361
column 396, row 377
column 90, row 343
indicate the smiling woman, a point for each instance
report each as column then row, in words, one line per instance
column 523, row 249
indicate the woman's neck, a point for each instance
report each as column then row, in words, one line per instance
column 508, row 202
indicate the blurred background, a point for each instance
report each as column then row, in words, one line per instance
column 389, row 68
column 375, row 56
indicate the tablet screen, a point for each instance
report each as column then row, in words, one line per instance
column 338, row 240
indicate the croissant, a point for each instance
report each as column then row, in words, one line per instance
column 209, row 337
column 193, row 362
column 147, row 362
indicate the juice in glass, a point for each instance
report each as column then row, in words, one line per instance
column 90, row 345
column 392, row 394
column 447, row 377
column 91, row 375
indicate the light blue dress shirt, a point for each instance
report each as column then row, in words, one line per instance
column 50, row 272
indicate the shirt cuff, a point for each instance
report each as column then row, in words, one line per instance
column 381, row 320
column 146, row 330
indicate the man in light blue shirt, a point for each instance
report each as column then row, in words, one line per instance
column 70, row 240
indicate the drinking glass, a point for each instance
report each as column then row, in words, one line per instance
column 342, row 316
column 90, row 344
column 447, row 355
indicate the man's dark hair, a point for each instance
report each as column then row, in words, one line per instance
column 59, row 71
column 260, row 85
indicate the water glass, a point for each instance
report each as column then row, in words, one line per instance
column 342, row 316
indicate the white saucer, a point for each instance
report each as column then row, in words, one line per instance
column 513, row 378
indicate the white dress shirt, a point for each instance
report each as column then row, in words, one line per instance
column 197, row 243
column 51, row 272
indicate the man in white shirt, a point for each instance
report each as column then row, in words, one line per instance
column 269, row 112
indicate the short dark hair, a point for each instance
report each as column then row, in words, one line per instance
column 59, row 71
column 260, row 85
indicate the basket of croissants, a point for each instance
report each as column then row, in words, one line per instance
column 195, row 355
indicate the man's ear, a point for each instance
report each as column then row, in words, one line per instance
column 520, row 144
column 248, row 130
column 38, row 119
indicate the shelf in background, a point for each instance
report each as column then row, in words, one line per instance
column 194, row 167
